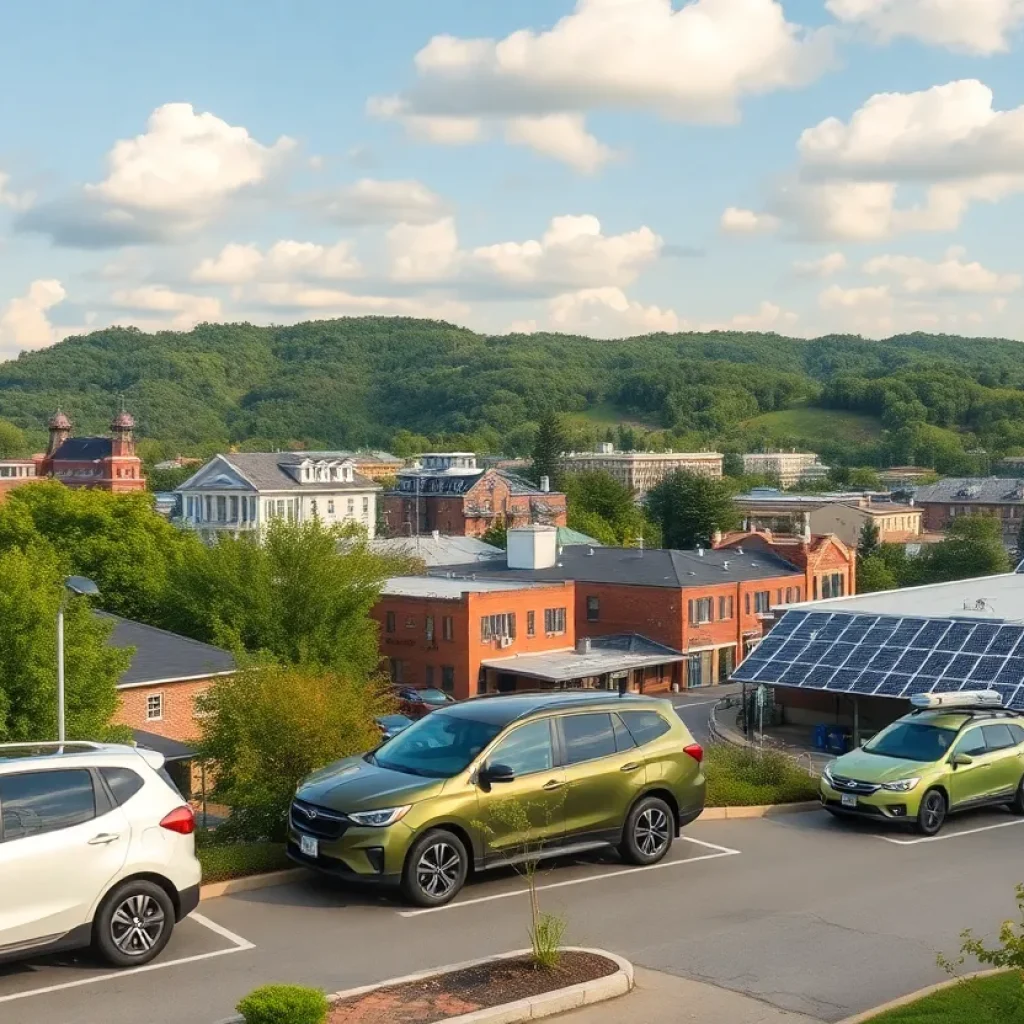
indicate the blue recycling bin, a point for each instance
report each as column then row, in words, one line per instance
column 838, row 739
column 821, row 737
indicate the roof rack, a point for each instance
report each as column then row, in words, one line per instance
column 973, row 712
column 59, row 744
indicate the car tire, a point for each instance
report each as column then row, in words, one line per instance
column 133, row 924
column 648, row 833
column 1017, row 803
column 932, row 813
column 435, row 869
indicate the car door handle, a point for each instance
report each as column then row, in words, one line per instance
column 631, row 767
column 553, row 785
column 104, row 839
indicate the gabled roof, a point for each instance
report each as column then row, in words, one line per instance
column 269, row 471
column 84, row 449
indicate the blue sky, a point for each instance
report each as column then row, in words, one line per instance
column 607, row 167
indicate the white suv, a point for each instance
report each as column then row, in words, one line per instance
column 96, row 849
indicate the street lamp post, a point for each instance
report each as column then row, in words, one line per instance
column 80, row 585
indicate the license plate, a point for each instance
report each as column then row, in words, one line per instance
column 309, row 846
column 849, row 800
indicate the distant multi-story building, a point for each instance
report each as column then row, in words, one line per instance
column 448, row 492
column 376, row 465
column 15, row 473
column 790, row 468
column 642, row 471
column 943, row 501
column 244, row 491
column 99, row 463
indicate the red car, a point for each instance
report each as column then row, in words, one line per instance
column 415, row 703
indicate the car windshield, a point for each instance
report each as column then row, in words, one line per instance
column 433, row 696
column 437, row 747
column 912, row 741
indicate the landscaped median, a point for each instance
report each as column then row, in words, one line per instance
column 499, row 989
column 745, row 777
column 990, row 997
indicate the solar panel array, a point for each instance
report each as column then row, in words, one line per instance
column 887, row 656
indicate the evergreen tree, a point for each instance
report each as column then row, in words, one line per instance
column 548, row 448
column 869, row 537
column 690, row 509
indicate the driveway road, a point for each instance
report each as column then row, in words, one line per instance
column 800, row 911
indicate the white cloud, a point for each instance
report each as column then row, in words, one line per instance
column 950, row 275
column 826, row 266
column 693, row 64
column 15, row 200
column 179, row 311
column 836, row 297
column 608, row 313
column 23, row 321
column 737, row 221
column 371, row 201
column 560, row 136
column 322, row 303
column 977, row 26
column 283, row 261
column 769, row 317
column 425, row 252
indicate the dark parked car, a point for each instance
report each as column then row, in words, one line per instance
column 391, row 725
column 415, row 703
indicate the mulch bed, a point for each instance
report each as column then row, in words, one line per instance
column 473, row 988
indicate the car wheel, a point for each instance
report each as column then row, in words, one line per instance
column 435, row 869
column 134, row 924
column 649, row 831
column 932, row 812
column 1017, row 803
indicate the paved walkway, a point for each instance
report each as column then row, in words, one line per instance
column 665, row 999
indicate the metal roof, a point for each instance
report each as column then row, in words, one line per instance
column 436, row 551
column 446, row 588
column 84, row 449
column 991, row 490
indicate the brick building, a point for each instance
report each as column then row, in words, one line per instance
column 448, row 492
column 101, row 463
column 710, row 605
column 15, row 473
column 641, row 471
column 943, row 501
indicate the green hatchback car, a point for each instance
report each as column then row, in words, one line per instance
column 499, row 780
column 929, row 764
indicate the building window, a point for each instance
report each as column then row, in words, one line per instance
column 789, row 595
column 429, row 628
column 746, row 603
column 448, row 678
column 701, row 610
column 222, row 508
column 330, row 507
column 593, row 609
column 762, row 602
column 833, row 586
column 351, row 507
column 502, row 625
column 531, row 623
column 395, row 668
column 429, row 677
column 725, row 608
column 796, row 593
column 389, row 622
column 281, row 507
column 154, row 707
column 366, row 506
column 448, row 628
column 313, row 509
column 554, row 620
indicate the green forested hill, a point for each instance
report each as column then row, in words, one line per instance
column 371, row 381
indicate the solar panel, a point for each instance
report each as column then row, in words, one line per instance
column 889, row 656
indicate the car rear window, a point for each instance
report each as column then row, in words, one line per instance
column 645, row 726
column 998, row 737
column 587, row 737
column 123, row 783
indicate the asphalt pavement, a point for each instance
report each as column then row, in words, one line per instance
column 800, row 912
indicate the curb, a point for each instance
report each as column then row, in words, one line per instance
column 760, row 811
column 558, row 1001
column 250, row 882
column 921, row 993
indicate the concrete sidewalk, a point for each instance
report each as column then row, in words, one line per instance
column 665, row 999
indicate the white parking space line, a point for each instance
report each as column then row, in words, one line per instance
column 720, row 851
column 239, row 945
column 948, row 835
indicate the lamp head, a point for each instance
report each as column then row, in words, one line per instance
column 81, row 585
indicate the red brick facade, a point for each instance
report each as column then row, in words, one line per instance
column 15, row 473
column 98, row 463
column 177, row 719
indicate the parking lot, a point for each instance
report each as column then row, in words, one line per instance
column 809, row 914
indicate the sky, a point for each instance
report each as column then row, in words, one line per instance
column 601, row 167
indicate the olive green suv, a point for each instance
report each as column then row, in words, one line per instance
column 499, row 780
column 931, row 763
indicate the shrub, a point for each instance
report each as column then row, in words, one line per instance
column 748, row 777
column 223, row 861
column 284, row 1004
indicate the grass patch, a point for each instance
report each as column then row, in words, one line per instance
column 237, row 860
column 994, row 1000
column 816, row 425
column 748, row 778
column 605, row 414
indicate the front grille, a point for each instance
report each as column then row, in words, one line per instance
column 317, row 821
column 854, row 786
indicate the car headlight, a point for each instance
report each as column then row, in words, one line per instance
column 380, row 819
column 901, row 786
column 826, row 772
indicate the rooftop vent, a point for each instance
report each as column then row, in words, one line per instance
column 725, row 567
column 583, row 645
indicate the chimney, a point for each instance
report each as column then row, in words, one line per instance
column 545, row 484
column 532, row 547
column 583, row 645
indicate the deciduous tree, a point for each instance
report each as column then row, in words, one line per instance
column 690, row 509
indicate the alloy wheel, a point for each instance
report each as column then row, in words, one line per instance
column 933, row 811
column 438, row 869
column 137, row 924
column 651, row 831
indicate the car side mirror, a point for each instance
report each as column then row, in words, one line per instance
column 961, row 760
column 493, row 773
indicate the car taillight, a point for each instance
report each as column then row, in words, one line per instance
column 180, row 820
column 696, row 751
